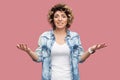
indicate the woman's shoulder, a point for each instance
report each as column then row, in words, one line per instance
column 73, row 33
column 46, row 34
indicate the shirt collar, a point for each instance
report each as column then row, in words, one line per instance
column 52, row 33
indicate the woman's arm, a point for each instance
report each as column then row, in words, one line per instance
column 92, row 49
column 32, row 54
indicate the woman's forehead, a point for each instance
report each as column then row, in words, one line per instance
column 59, row 12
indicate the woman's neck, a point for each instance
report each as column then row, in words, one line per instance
column 60, row 31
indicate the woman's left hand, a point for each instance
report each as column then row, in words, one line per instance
column 98, row 46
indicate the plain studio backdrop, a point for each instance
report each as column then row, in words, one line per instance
column 22, row 21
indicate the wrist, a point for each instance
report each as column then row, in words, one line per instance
column 91, row 51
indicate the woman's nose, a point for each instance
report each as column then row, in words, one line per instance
column 60, row 18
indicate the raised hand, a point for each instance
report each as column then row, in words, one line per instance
column 98, row 46
column 24, row 47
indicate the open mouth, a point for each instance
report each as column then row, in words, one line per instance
column 60, row 23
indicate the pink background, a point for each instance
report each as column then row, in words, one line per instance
column 22, row 21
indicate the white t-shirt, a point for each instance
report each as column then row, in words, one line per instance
column 60, row 68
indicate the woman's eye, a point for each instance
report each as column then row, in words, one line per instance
column 56, row 16
column 64, row 16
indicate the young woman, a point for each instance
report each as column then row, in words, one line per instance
column 60, row 49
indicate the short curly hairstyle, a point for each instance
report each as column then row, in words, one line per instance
column 60, row 7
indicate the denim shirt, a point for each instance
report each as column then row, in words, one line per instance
column 45, row 43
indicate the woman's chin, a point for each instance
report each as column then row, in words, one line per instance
column 60, row 27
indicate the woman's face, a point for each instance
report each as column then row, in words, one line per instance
column 60, row 19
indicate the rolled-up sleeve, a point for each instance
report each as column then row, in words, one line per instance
column 38, row 50
column 80, row 49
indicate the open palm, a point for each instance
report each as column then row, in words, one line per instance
column 24, row 47
column 98, row 46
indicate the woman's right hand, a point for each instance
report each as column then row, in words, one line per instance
column 24, row 48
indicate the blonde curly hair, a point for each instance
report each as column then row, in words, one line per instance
column 65, row 9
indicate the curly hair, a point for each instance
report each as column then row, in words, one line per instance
column 65, row 9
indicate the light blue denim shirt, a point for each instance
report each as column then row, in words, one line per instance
column 45, row 44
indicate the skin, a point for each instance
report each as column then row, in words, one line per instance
column 60, row 20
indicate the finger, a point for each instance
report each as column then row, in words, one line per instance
column 23, row 47
column 96, row 46
column 26, row 48
column 18, row 46
column 105, row 45
column 99, row 46
column 102, row 46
